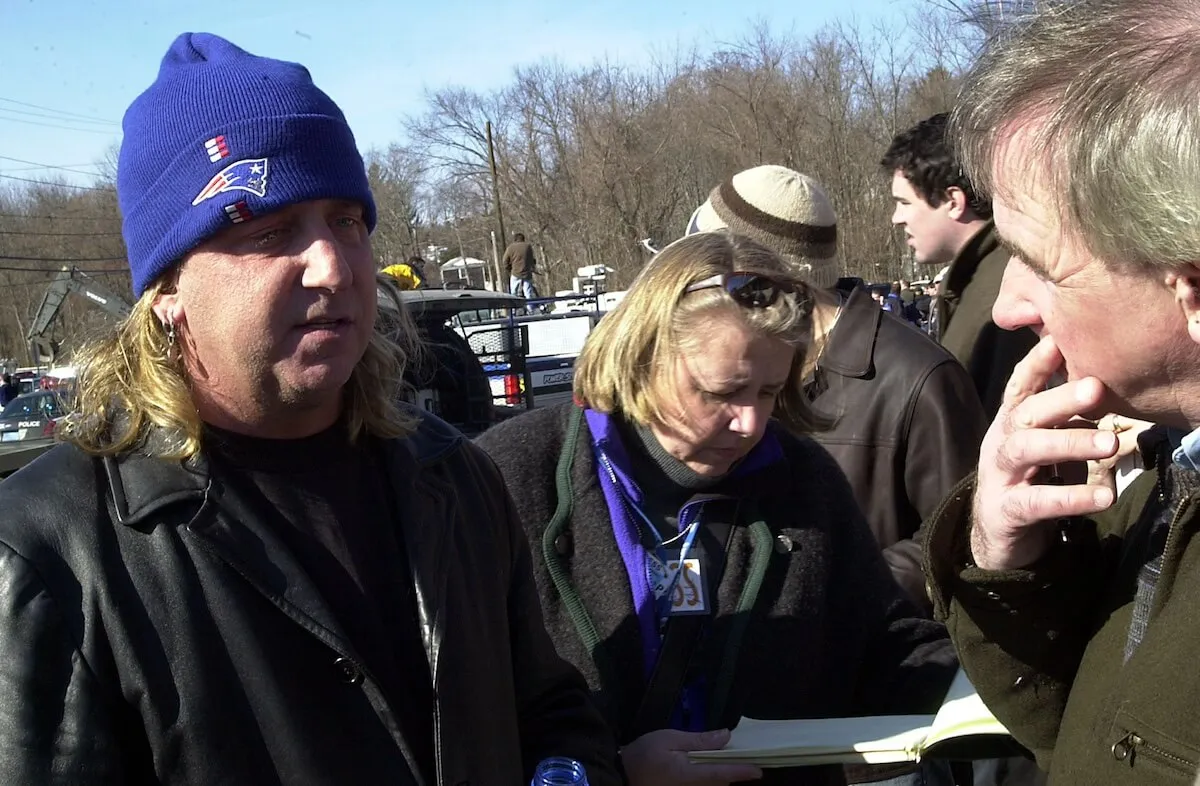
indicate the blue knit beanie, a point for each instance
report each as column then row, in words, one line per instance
column 223, row 136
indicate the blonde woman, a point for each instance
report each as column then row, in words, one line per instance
column 685, row 447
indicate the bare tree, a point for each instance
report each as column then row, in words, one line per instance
column 395, row 177
column 591, row 160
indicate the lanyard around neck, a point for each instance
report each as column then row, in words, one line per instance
column 662, row 603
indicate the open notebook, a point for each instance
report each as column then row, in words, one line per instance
column 962, row 729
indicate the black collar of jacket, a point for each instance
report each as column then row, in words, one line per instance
column 142, row 484
column 850, row 351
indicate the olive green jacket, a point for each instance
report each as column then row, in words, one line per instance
column 1045, row 646
column 964, row 317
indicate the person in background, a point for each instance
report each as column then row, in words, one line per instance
column 520, row 265
column 901, row 415
column 892, row 303
column 8, row 391
column 686, row 448
column 407, row 275
column 922, row 305
column 932, row 324
column 946, row 223
column 1074, row 611
column 248, row 565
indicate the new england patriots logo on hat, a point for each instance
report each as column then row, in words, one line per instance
column 247, row 175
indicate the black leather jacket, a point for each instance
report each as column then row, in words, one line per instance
column 907, row 425
column 153, row 630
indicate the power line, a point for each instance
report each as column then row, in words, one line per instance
column 61, row 128
column 61, row 185
column 42, row 282
column 60, row 268
column 46, row 274
column 38, row 165
column 61, row 234
column 42, row 168
column 58, row 260
column 61, row 218
column 57, row 111
column 60, row 118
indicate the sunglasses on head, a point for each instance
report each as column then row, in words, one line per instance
column 747, row 289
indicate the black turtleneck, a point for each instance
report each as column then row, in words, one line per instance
column 667, row 484
column 328, row 499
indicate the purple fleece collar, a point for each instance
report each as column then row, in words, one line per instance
column 606, row 443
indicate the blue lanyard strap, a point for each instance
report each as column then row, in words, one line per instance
column 662, row 603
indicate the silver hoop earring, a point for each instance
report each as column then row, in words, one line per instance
column 169, row 327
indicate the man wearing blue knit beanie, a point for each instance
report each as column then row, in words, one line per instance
column 248, row 563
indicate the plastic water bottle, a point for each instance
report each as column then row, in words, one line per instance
column 559, row 771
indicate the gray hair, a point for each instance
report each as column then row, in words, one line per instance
column 1104, row 92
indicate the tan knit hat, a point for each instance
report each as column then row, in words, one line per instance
column 784, row 210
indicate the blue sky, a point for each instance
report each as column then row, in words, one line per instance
column 376, row 58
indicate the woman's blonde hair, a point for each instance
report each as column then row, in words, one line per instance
column 628, row 362
column 132, row 385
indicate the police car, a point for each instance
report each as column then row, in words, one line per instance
column 31, row 416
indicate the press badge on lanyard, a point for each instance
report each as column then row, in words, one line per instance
column 676, row 577
column 687, row 590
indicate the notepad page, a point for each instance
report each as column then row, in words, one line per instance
column 963, row 713
column 757, row 740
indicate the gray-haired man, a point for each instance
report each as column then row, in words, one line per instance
column 1075, row 617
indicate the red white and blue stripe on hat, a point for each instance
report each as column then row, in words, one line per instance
column 216, row 148
column 238, row 212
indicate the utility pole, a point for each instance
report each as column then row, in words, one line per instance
column 495, row 184
column 501, row 282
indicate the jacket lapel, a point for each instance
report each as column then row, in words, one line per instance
column 230, row 528
column 428, row 518
column 845, row 354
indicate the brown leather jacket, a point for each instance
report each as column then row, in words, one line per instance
column 907, row 425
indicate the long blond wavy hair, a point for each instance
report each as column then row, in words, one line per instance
column 628, row 361
column 131, row 384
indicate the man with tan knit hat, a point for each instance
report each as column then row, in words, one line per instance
column 906, row 420
column 784, row 210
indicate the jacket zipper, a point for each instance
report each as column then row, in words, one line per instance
column 336, row 646
column 1126, row 749
column 1174, row 530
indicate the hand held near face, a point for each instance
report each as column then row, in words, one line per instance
column 1015, row 511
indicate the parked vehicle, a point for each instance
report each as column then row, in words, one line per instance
column 32, row 416
column 554, row 340
column 470, row 380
